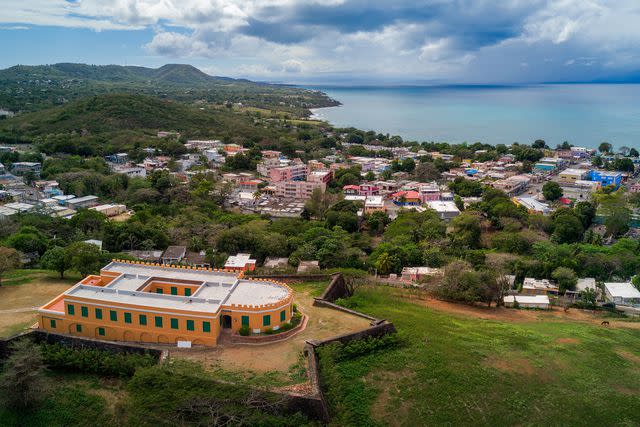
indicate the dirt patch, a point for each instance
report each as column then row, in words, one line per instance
column 628, row 356
column 507, row 314
column 627, row 390
column 567, row 341
column 18, row 303
column 279, row 356
column 514, row 365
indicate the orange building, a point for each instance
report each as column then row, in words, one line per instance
column 141, row 302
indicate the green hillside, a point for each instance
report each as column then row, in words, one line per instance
column 29, row 88
column 117, row 121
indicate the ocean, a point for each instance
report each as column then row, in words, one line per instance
column 583, row 114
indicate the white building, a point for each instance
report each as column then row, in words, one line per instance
column 622, row 293
column 446, row 209
column 527, row 301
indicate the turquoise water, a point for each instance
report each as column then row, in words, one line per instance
column 583, row 114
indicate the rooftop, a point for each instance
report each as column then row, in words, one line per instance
column 214, row 288
column 622, row 290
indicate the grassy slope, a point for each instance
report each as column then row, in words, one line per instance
column 463, row 371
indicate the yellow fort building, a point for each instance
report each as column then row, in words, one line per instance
column 133, row 301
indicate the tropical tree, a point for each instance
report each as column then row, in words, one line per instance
column 605, row 147
column 85, row 258
column 56, row 259
column 9, row 259
column 551, row 191
column 22, row 383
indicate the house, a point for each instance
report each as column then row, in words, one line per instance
column 82, row 202
column 533, row 286
column 23, row 168
column 606, row 178
column 152, row 256
column 306, row 266
column 532, row 205
column 415, row 274
column 429, row 192
column 406, row 198
column 570, row 176
column 527, row 301
column 275, row 262
column 139, row 302
column 240, row 262
column 196, row 259
column 298, row 189
column 110, row 210
column 323, row 176
column 446, row 210
column 374, row 204
column 581, row 286
column 174, row 255
column 622, row 293
column 297, row 171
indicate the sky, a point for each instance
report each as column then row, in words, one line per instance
column 337, row 41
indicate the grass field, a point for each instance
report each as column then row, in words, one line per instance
column 462, row 370
column 22, row 291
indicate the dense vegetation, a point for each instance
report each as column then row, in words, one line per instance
column 28, row 88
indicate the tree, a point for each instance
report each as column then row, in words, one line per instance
column 551, row 191
column 634, row 153
column 567, row 227
column 85, row 258
column 22, row 383
column 9, row 259
column 586, row 211
column 56, row 259
column 466, row 231
column 426, row 171
column 566, row 279
column 539, row 143
column 605, row 147
column 589, row 297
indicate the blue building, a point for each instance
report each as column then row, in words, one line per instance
column 606, row 178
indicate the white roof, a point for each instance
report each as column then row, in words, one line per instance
column 527, row 299
column 239, row 260
column 622, row 290
column 587, row 282
column 374, row 201
column 443, row 206
column 578, row 172
column 215, row 288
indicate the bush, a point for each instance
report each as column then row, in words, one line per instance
column 296, row 319
column 94, row 361
column 285, row 327
column 295, row 308
column 269, row 331
column 244, row 330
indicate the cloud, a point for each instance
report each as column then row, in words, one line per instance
column 462, row 40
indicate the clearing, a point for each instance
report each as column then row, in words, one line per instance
column 24, row 291
column 471, row 366
column 279, row 356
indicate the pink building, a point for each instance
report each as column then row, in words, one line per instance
column 300, row 190
column 361, row 190
column 320, row 176
column 429, row 193
column 294, row 172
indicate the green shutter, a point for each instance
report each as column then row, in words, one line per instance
column 84, row 311
column 101, row 332
column 78, row 328
column 142, row 319
column 283, row 316
column 190, row 325
column 206, row 326
column 245, row 320
column 187, row 292
column 71, row 309
column 127, row 318
column 52, row 322
column 158, row 322
column 98, row 313
column 266, row 320
column 113, row 315
column 174, row 290
column 159, row 291
column 174, row 323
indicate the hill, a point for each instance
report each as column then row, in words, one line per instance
column 30, row 88
column 105, row 121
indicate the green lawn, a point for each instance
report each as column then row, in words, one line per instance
column 22, row 276
column 465, row 371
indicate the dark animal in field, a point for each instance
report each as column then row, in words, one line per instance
column 604, row 323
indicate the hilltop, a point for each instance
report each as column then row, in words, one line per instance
column 30, row 88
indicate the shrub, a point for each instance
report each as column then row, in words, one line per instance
column 94, row 361
column 244, row 330
column 295, row 308
column 285, row 327
column 268, row 331
column 296, row 319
